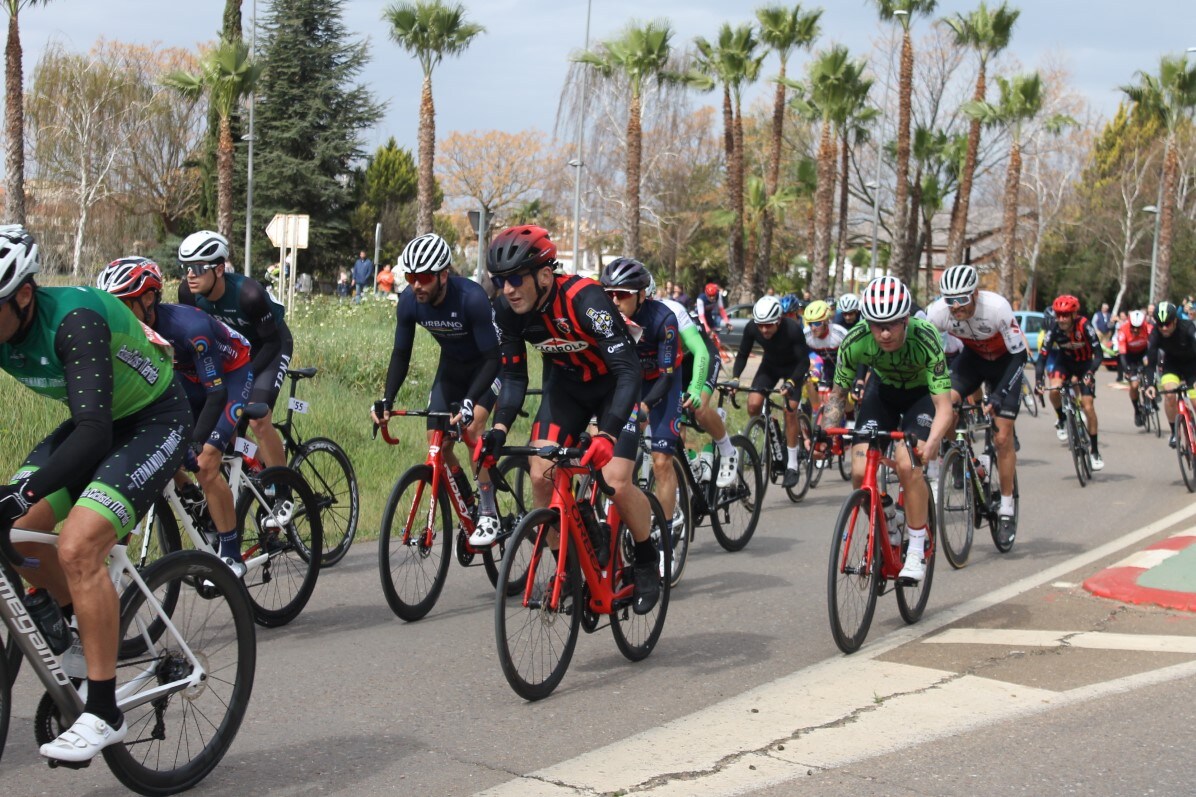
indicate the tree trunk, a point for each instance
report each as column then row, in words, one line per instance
column 957, row 238
column 746, row 270
column 631, row 213
column 900, row 261
column 427, row 157
column 1162, row 287
column 1009, row 249
column 841, row 241
column 14, row 127
column 80, row 226
column 772, row 178
column 734, row 274
column 928, row 243
column 823, row 209
column 224, row 177
column 912, row 250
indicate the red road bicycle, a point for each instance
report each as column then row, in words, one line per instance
column 867, row 553
column 587, row 578
column 1185, row 435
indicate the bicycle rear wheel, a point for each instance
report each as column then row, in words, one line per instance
column 511, row 509
column 681, row 524
column 637, row 634
column 1078, row 454
column 536, row 641
column 955, row 510
column 805, row 462
column 736, row 509
column 1028, row 399
column 283, row 563
column 413, row 553
column 160, row 538
column 1183, row 450
column 845, row 465
column 911, row 598
column 176, row 740
column 326, row 468
column 853, row 573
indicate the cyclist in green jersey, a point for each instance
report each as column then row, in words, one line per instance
column 99, row 471
column 910, row 390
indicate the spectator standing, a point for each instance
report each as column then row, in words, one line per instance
column 342, row 283
column 363, row 273
column 386, row 280
column 1103, row 323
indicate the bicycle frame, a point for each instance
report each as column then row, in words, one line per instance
column 878, row 526
column 286, row 428
column 966, row 426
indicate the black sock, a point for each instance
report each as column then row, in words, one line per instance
column 101, row 701
column 1059, row 415
column 1095, row 448
column 645, row 552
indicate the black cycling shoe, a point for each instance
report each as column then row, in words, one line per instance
column 647, row 587
column 1171, row 440
column 1138, row 420
column 791, row 478
column 1006, row 530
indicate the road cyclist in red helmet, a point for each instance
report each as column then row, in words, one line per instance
column 712, row 314
column 1072, row 349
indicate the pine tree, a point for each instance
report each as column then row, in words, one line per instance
column 309, row 122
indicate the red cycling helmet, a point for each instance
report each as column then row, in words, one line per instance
column 521, row 247
column 129, row 277
column 712, row 289
column 1066, row 304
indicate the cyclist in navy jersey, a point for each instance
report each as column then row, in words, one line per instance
column 213, row 363
column 591, row 370
column 245, row 306
column 458, row 315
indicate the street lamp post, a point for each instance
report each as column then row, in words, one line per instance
column 249, row 154
column 1154, row 249
column 577, row 162
column 875, row 184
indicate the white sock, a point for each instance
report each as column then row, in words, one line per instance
column 792, row 457
column 1006, row 506
column 724, row 445
column 917, row 541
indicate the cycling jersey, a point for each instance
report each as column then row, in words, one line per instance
column 918, row 365
column 658, row 347
column 991, row 332
column 785, row 353
column 1133, row 342
column 1075, row 351
column 583, row 340
column 697, row 349
column 1178, row 348
column 710, row 311
column 827, row 346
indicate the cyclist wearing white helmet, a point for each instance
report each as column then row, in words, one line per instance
column 786, row 359
column 124, row 439
column 909, row 390
column 994, row 355
column 847, row 310
column 1133, row 340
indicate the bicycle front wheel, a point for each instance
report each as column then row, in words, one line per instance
column 1183, row 450
column 853, row 573
column 680, row 525
column 175, row 740
column 736, row 509
column 805, row 462
column 955, row 507
column 757, row 434
column 280, row 552
column 512, row 507
column 637, row 634
column 415, row 546
column 911, row 598
column 1154, row 418
column 326, row 468
column 1078, row 454
column 535, row 638
column 1028, row 399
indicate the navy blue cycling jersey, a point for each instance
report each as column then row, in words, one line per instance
column 205, row 349
column 659, row 348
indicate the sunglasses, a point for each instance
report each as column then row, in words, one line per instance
column 889, row 326
column 514, row 280
column 816, row 324
column 422, row 279
column 196, row 269
column 619, row 295
column 768, row 324
column 957, row 301
column 1064, row 316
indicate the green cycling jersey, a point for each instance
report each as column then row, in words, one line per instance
column 919, row 362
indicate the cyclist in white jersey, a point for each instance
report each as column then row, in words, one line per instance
column 823, row 336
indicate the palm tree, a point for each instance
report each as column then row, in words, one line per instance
column 1167, row 98
column 782, row 30
column 888, row 9
column 429, row 30
column 14, row 115
column 226, row 74
column 986, row 32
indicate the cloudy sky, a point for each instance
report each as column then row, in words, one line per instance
column 511, row 76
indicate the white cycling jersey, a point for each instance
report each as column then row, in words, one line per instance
column 684, row 322
column 834, row 336
column 991, row 332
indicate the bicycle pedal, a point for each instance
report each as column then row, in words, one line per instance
column 54, row 763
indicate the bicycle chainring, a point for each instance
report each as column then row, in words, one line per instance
column 464, row 554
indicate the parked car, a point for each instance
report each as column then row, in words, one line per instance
column 738, row 316
column 1031, row 323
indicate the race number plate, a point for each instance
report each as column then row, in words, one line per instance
column 298, row 405
column 245, row 447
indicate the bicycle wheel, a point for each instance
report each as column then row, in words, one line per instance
column 1028, row 400
column 637, row 634
column 1155, row 420
column 911, row 598
column 736, row 508
column 845, row 465
column 756, row 432
column 330, row 475
column 511, row 510
column 955, row 510
column 413, row 552
column 805, row 463
column 681, row 524
column 536, row 641
column 853, row 573
column 1078, row 455
column 5, row 702
column 175, row 740
column 144, row 549
column 1085, row 444
column 1183, row 450
column 282, row 568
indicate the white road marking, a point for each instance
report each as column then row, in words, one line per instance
column 1147, row 559
column 1094, row 640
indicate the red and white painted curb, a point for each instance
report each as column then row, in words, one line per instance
column 1120, row 582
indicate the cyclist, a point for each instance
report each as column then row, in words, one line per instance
column 1072, row 352
column 786, row 360
column 791, row 306
column 1132, row 341
column 823, row 337
column 457, row 313
column 1175, row 338
column 847, row 311
column 711, row 310
column 99, row 471
column 909, row 390
column 247, row 307
column 590, row 370
column 216, row 377
column 993, row 354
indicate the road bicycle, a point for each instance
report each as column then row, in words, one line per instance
column 184, row 672
column 416, row 542
column 867, row 552
column 836, row 452
column 1185, row 434
column 1029, row 399
column 326, row 468
column 1075, row 421
column 1149, row 407
column 969, row 487
column 545, row 596
column 733, row 511
column 770, row 440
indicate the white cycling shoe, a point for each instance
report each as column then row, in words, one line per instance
column 84, row 740
column 914, row 568
column 283, row 513
column 727, row 469
column 486, row 532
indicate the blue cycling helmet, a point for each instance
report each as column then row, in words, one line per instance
column 789, row 303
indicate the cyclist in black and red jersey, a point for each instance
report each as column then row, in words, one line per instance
column 1073, row 348
column 712, row 315
column 590, row 370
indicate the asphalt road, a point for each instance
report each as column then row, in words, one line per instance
column 349, row 699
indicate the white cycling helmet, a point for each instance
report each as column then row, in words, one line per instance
column 959, row 280
column 767, row 310
column 885, row 299
column 1137, row 318
column 848, row 303
column 204, row 246
column 429, row 253
column 18, row 259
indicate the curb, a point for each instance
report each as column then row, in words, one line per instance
column 1121, row 581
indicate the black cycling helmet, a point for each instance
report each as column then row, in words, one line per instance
column 517, row 248
column 1165, row 313
column 626, row 273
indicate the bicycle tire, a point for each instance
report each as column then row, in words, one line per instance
column 1154, row 414
column 912, row 598
column 681, row 524
column 636, row 635
column 283, row 583
column 853, row 574
column 1076, row 448
column 805, row 462
column 175, row 741
column 536, row 643
column 518, row 474
column 164, row 538
column 5, row 702
column 738, row 506
column 756, row 431
column 816, row 471
column 413, row 570
column 845, row 465
column 335, row 487
column 955, row 508
column 1028, row 399
column 1183, row 450
column 1085, row 444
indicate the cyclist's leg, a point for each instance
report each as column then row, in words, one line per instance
column 565, row 412
column 1170, row 381
column 666, row 430
column 239, row 384
column 875, row 411
column 1088, row 402
column 266, row 387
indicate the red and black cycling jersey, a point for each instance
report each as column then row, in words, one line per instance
column 582, row 337
column 1079, row 346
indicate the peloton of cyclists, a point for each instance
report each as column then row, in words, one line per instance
column 1071, row 350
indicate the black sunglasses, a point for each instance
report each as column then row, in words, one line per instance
column 514, row 280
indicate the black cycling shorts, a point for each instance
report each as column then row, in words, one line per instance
column 451, row 386
column 567, row 406
column 890, row 408
column 268, row 384
column 970, row 371
column 1065, row 368
column 767, row 377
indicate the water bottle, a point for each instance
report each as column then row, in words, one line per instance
column 982, row 463
column 892, row 519
column 707, row 462
column 598, row 538
column 45, row 612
